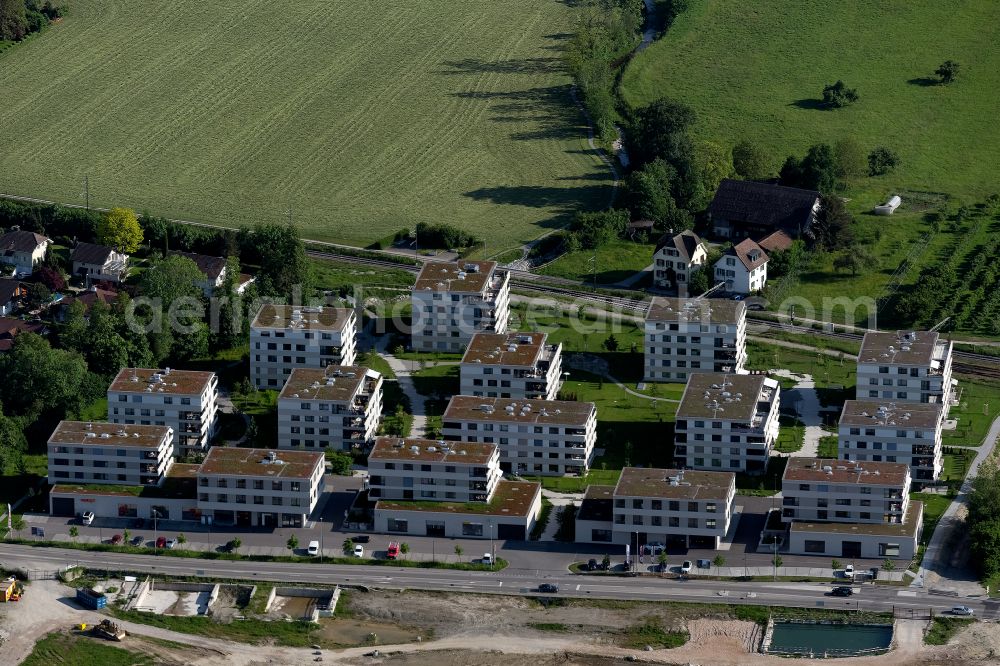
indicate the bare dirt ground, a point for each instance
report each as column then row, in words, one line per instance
column 471, row 630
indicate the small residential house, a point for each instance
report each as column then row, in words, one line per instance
column 98, row 263
column 743, row 268
column 88, row 298
column 11, row 328
column 214, row 270
column 747, row 209
column 11, row 291
column 23, row 250
column 676, row 258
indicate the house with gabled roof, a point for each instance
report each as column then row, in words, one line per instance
column 748, row 209
column 23, row 250
column 743, row 268
column 11, row 291
column 676, row 258
column 98, row 263
column 214, row 270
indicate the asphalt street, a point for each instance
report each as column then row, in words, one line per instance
column 519, row 581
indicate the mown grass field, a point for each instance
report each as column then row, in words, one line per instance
column 361, row 118
column 755, row 70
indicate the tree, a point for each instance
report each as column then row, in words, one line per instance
column 649, row 196
column 120, row 229
column 292, row 543
column 611, row 343
column 38, row 294
column 856, row 258
column 606, row 562
column 888, row 565
column 881, row 161
column 719, row 561
column 38, row 378
column 832, row 228
column 947, row 71
column 51, row 278
column 458, row 551
column 181, row 539
column 232, row 328
column 751, row 161
column 599, row 228
column 713, row 163
column 836, row 565
column 404, row 549
column 661, row 131
column 850, row 158
column 699, row 281
column 17, row 524
column 126, row 535
column 281, row 255
column 816, row 171
column 13, row 444
column 348, row 546
column 166, row 283
column 340, row 463
column 838, row 95
column 74, row 532
column 13, row 20
column 234, row 544
column 777, row 561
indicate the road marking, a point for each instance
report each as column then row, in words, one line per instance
column 577, row 588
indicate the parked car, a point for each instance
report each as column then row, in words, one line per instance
column 161, row 542
column 313, row 548
column 487, row 558
column 87, row 518
column 842, row 591
column 116, row 540
column 171, row 544
column 137, row 540
column 548, row 588
column 962, row 610
column 359, row 550
column 592, row 565
column 361, row 538
column 849, row 571
column 686, row 567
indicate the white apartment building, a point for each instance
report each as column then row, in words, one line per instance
column 676, row 258
column 548, row 437
column 743, row 268
column 85, row 453
column 685, row 335
column 454, row 301
column 431, row 470
column 905, row 432
column 511, row 365
column 850, row 509
column 283, row 337
column 906, row 366
column 337, row 407
column 667, row 506
column 258, row 487
column 727, row 423
column 184, row 400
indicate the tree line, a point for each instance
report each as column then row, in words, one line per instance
column 20, row 18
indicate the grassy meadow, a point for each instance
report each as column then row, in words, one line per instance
column 360, row 118
column 757, row 70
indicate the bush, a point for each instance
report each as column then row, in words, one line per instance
column 881, row 161
column 948, row 71
column 443, row 237
column 596, row 229
column 839, row 95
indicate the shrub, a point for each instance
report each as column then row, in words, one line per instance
column 947, row 71
column 881, row 161
column 839, row 95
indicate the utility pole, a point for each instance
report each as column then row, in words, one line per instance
column 86, row 190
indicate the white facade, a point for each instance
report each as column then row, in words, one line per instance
column 908, row 433
column 454, row 301
column 727, row 423
column 184, row 400
column 676, row 259
column 906, row 366
column 84, row 452
column 429, row 470
column 336, row 407
column 283, row 337
column 260, row 488
column 511, row 365
column 546, row 437
column 684, row 336
column 98, row 263
column 23, row 250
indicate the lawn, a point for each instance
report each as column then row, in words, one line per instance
column 828, row 372
column 342, row 277
column 85, row 651
column 358, row 120
column 978, row 407
column 615, row 261
column 934, row 508
column 756, row 70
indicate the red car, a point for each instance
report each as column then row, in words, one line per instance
column 116, row 540
column 161, row 542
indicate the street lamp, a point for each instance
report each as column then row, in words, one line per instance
column 493, row 552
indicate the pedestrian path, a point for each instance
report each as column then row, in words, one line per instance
column 807, row 406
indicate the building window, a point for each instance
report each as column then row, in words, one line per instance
column 815, row 546
column 472, row 529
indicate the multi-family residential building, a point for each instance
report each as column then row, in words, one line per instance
column 185, row 400
column 448, row 489
column 337, row 407
column 906, row 366
column 666, row 506
column 685, row 335
column 548, row 437
column 98, row 263
column 454, row 301
column 23, row 250
column 258, row 487
column 676, row 258
column 112, row 453
column 905, row 432
column 213, row 270
column 743, row 268
column 427, row 469
column 850, row 509
column 727, row 422
column 511, row 365
column 283, row 337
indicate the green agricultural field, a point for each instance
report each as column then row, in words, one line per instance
column 755, row 70
column 361, row 118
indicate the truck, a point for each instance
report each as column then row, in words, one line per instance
column 8, row 591
column 90, row 599
column 109, row 631
column 392, row 552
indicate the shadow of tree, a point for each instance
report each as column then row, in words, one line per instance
column 810, row 104
column 924, row 81
column 548, row 111
column 568, row 199
column 517, row 66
